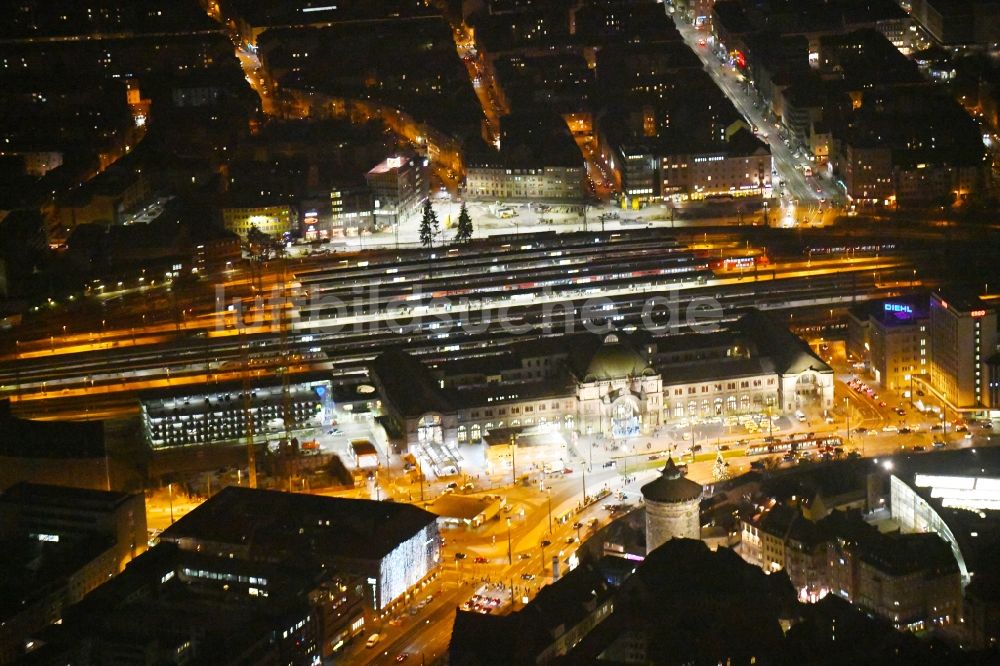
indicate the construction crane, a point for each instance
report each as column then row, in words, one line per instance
column 248, row 416
column 283, row 359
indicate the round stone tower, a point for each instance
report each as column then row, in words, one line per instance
column 671, row 507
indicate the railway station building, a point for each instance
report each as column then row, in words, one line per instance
column 617, row 385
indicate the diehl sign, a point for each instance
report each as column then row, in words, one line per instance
column 898, row 308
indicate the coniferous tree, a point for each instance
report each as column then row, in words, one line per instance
column 463, row 232
column 429, row 227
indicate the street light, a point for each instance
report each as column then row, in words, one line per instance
column 549, row 493
column 170, row 492
column 847, row 408
column 510, row 553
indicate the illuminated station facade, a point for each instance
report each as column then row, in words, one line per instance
column 615, row 385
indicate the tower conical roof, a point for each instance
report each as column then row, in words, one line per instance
column 672, row 486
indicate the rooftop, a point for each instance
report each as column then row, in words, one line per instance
column 962, row 300
column 672, row 486
column 36, row 495
column 407, row 384
column 458, row 506
column 22, row 437
column 268, row 520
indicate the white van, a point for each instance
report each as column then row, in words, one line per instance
column 372, row 641
column 800, row 415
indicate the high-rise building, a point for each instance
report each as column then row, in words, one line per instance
column 60, row 543
column 399, row 187
column 963, row 331
column 892, row 337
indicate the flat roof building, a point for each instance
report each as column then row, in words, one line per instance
column 891, row 337
column 393, row 546
column 60, row 543
column 399, row 187
column 173, row 605
column 963, row 336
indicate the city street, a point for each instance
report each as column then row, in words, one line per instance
column 788, row 161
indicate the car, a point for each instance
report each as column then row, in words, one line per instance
column 918, row 448
column 527, row 576
column 701, row 42
column 460, row 556
column 567, row 470
column 577, row 526
column 570, row 539
column 961, row 428
column 904, row 431
column 938, row 444
column 900, row 411
column 402, row 656
column 861, row 430
column 524, row 556
column 757, row 465
column 890, row 428
column 936, row 427
column 695, row 448
column 882, row 403
column 480, row 560
column 452, row 485
column 724, row 447
column 372, row 641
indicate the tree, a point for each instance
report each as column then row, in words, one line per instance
column 463, row 232
column 259, row 245
column 429, row 227
column 720, row 471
